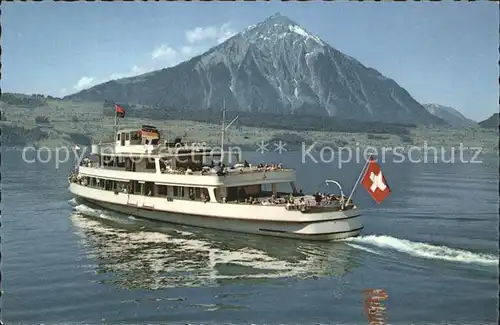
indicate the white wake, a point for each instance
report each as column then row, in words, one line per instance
column 424, row 250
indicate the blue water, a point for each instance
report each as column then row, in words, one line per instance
column 432, row 246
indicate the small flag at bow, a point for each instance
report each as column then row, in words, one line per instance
column 120, row 112
column 374, row 182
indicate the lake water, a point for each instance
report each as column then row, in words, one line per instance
column 432, row 246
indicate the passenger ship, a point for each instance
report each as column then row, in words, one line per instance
column 186, row 184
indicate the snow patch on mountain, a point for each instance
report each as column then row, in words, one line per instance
column 449, row 115
column 298, row 30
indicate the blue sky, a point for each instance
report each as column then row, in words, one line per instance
column 444, row 53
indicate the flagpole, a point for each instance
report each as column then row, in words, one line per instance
column 359, row 178
column 115, row 130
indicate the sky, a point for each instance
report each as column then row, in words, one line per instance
column 443, row 53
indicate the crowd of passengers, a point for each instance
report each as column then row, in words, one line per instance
column 221, row 169
column 292, row 201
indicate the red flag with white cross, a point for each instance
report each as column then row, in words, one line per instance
column 374, row 182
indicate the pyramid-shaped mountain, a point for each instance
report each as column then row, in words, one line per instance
column 278, row 67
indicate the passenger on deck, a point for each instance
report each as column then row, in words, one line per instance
column 246, row 164
column 318, row 198
column 302, row 203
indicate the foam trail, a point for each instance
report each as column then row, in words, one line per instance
column 73, row 202
column 364, row 249
column 426, row 250
column 86, row 210
column 97, row 213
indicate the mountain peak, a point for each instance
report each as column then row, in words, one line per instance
column 276, row 66
column 279, row 18
column 279, row 26
column 276, row 14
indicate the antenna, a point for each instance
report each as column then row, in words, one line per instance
column 224, row 128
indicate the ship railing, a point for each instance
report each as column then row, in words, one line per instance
column 227, row 173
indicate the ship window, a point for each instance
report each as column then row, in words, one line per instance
column 120, row 162
column 283, row 187
column 217, row 194
column 150, row 164
column 253, row 190
column 127, row 136
column 137, row 187
column 179, row 191
column 118, row 136
column 149, row 189
column 161, row 190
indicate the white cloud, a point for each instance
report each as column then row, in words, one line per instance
column 165, row 55
column 187, row 50
column 84, row 82
column 164, row 52
column 219, row 34
column 136, row 70
column 87, row 82
column 190, row 51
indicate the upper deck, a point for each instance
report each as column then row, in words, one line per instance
column 140, row 155
column 146, row 142
column 208, row 177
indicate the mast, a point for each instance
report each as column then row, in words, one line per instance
column 224, row 128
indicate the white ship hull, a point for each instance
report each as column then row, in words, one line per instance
column 254, row 219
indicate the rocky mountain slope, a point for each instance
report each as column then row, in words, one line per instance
column 449, row 115
column 277, row 67
column 491, row 122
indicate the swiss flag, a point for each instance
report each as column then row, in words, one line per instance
column 374, row 182
column 120, row 112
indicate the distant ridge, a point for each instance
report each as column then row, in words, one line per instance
column 449, row 115
column 491, row 122
column 276, row 67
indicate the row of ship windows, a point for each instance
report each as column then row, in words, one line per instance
column 147, row 188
